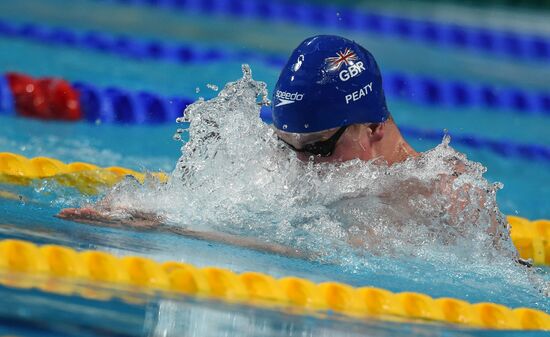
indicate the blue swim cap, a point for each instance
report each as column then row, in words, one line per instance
column 328, row 82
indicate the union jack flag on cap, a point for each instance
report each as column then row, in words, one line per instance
column 347, row 57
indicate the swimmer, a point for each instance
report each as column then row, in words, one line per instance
column 328, row 106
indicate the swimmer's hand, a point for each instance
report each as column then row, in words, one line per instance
column 148, row 221
column 92, row 216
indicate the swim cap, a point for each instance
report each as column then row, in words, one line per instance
column 328, row 82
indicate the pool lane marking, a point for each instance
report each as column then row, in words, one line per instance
column 115, row 105
column 249, row 288
column 415, row 88
column 467, row 38
column 85, row 177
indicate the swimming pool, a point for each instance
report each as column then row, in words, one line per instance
column 151, row 147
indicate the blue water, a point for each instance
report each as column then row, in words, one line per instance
column 525, row 192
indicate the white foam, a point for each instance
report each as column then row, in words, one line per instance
column 234, row 176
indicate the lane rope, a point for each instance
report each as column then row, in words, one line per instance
column 418, row 89
column 86, row 178
column 498, row 43
column 116, row 105
column 252, row 288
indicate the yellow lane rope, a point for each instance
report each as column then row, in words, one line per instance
column 531, row 238
column 254, row 288
column 17, row 169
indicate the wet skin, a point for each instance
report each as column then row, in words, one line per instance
column 142, row 221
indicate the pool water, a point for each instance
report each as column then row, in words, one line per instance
column 152, row 148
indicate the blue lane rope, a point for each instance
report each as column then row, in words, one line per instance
column 533, row 152
column 116, row 105
column 6, row 98
column 418, row 89
column 496, row 42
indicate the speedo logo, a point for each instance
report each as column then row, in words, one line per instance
column 288, row 97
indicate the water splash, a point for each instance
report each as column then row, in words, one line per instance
column 235, row 177
column 212, row 87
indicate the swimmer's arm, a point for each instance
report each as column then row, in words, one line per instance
column 235, row 240
column 150, row 221
column 88, row 215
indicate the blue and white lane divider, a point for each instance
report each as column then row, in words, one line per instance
column 6, row 98
column 488, row 41
column 504, row 148
column 116, row 105
column 418, row 89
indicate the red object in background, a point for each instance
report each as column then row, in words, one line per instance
column 46, row 98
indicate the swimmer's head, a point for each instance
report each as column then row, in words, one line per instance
column 328, row 82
